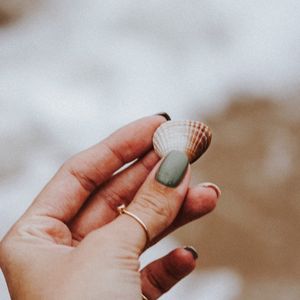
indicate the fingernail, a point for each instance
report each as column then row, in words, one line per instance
column 172, row 169
column 192, row 250
column 212, row 186
column 165, row 115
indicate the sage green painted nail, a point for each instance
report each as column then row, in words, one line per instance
column 172, row 169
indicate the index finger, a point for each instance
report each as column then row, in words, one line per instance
column 82, row 174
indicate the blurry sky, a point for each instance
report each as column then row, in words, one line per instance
column 73, row 71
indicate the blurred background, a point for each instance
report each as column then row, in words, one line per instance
column 71, row 72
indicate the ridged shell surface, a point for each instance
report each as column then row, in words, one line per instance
column 191, row 137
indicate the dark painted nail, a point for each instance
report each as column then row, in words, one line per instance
column 192, row 250
column 165, row 115
column 172, row 169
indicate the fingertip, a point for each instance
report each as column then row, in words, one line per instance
column 165, row 115
column 182, row 261
column 193, row 251
column 159, row 118
column 201, row 199
column 212, row 186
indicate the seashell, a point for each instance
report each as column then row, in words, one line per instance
column 191, row 137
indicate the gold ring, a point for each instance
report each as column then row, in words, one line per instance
column 144, row 297
column 122, row 210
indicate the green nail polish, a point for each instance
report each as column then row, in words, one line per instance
column 172, row 169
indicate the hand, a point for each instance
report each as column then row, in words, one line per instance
column 71, row 243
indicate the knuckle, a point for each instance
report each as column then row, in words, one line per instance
column 114, row 198
column 155, row 282
column 78, row 234
column 115, row 152
column 2, row 248
column 71, row 168
column 68, row 164
column 147, row 164
column 85, row 181
column 173, row 273
column 154, row 204
column 163, row 191
column 6, row 249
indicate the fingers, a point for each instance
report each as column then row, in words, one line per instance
column 101, row 208
column 156, row 203
column 82, row 174
column 200, row 200
column 159, row 276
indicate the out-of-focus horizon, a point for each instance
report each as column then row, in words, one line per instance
column 73, row 71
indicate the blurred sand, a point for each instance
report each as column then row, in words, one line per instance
column 254, row 156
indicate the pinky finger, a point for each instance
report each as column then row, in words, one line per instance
column 162, row 274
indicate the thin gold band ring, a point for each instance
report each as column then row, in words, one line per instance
column 122, row 210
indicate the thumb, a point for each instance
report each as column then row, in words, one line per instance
column 156, row 203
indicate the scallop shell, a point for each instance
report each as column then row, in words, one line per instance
column 191, row 137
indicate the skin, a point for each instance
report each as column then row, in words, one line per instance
column 72, row 244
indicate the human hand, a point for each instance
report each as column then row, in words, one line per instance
column 71, row 243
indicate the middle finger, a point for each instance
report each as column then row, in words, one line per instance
column 101, row 208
